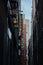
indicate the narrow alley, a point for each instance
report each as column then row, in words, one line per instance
column 21, row 32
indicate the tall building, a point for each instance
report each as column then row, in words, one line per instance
column 24, row 36
column 35, row 43
column 9, row 14
column 24, row 39
column 37, row 32
column 21, row 42
column 27, row 31
column 27, row 39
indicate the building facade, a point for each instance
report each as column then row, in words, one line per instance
column 37, row 33
column 24, row 36
column 27, row 39
column 9, row 12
